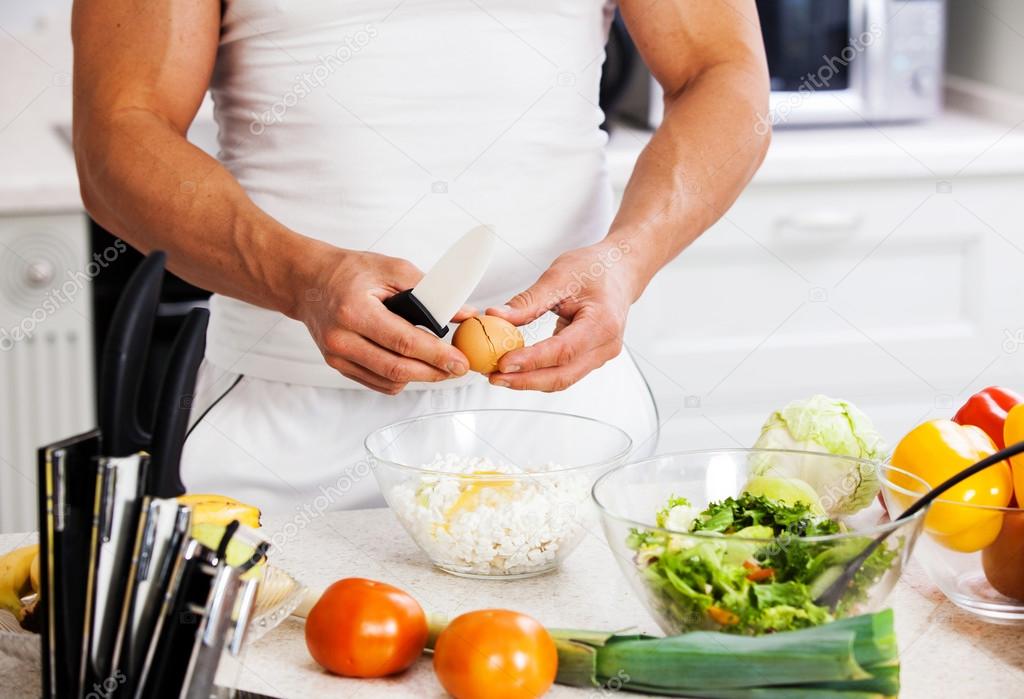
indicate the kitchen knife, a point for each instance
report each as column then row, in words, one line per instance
column 205, row 612
column 163, row 523
column 174, row 636
column 121, row 471
column 448, row 284
column 162, row 535
column 66, row 487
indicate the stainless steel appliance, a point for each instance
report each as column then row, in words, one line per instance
column 831, row 62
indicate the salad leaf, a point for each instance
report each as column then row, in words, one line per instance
column 733, row 514
column 677, row 514
column 788, row 490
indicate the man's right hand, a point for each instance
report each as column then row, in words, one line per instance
column 361, row 338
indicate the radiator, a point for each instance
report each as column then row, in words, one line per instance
column 46, row 363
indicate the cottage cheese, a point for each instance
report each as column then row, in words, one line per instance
column 488, row 525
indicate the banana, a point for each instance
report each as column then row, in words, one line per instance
column 33, row 572
column 238, row 552
column 16, row 578
column 220, row 509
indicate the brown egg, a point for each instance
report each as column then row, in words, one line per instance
column 1003, row 559
column 484, row 340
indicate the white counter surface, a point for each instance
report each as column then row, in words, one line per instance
column 955, row 144
column 944, row 651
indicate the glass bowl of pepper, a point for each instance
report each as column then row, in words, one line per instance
column 973, row 548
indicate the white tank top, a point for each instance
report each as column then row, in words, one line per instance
column 395, row 127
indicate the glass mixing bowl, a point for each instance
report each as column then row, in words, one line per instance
column 690, row 581
column 969, row 579
column 494, row 493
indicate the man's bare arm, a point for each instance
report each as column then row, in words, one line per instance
column 708, row 56
column 141, row 70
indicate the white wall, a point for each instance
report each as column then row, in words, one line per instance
column 986, row 42
column 20, row 16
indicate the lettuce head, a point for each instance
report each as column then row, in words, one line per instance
column 824, row 425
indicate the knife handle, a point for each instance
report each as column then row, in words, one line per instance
column 406, row 305
column 124, row 359
column 174, row 405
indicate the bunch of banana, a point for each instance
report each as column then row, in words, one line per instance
column 19, row 577
column 208, row 508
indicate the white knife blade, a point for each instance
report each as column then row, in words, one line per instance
column 452, row 279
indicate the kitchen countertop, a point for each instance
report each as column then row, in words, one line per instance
column 944, row 651
column 955, row 144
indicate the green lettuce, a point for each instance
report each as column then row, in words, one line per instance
column 826, row 426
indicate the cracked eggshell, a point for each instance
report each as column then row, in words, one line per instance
column 485, row 339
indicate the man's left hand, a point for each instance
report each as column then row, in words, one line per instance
column 591, row 290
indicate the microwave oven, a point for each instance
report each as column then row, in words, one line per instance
column 830, row 62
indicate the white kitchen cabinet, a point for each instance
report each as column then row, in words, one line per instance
column 897, row 287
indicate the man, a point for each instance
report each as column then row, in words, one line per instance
column 358, row 141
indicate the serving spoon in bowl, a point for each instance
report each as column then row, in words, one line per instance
column 834, row 593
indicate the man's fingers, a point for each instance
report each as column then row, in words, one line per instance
column 390, row 366
column 364, row 376
column 527, row 306
column 465, row 313
column 403, row 274
column 580, row 337
column 550, row 379
column 401, row 337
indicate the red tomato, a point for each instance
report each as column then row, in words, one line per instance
column 495, row 654
column 363, row 628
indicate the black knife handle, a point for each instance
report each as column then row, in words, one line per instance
column 124, row 359
column 406, row 305
column 174, row 406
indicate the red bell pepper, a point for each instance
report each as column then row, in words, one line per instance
column 987, row 409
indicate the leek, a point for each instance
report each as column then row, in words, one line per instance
column 848, row 658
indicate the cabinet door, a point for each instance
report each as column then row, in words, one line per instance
column 900, row 291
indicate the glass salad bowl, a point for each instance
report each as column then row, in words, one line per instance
column 723, row 541
column 494, row 493
column 980, row 567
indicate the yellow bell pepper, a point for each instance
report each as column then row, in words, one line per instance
column 1013, row 432
column 934, row 452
